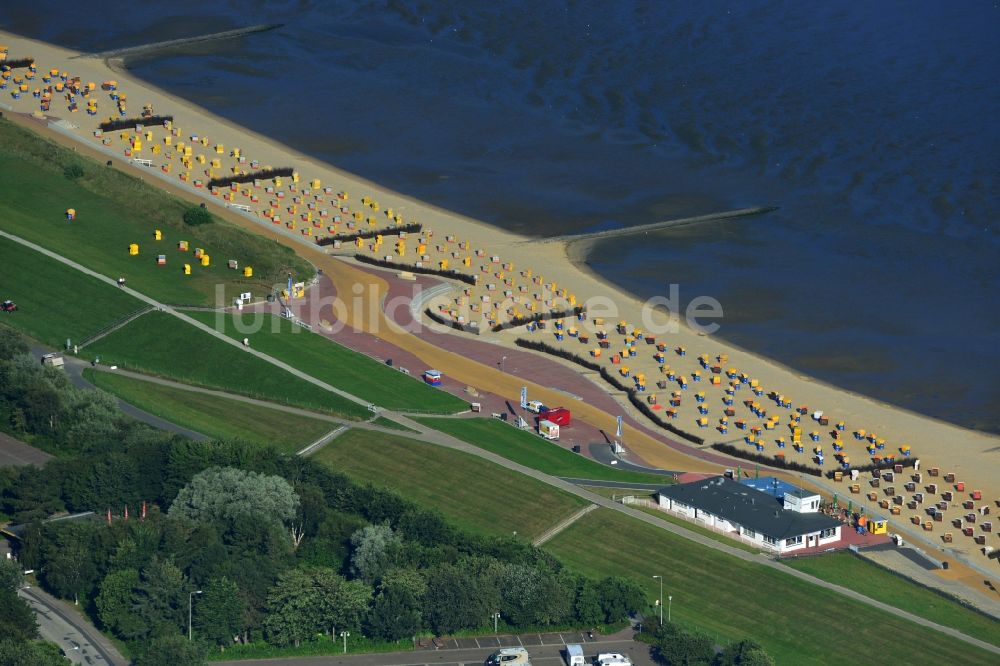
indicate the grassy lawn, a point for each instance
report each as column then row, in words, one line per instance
column 389, row 423
column 216, row 417
column 728, row 598
column 336, row 365
column 615, row 493
column 54, row 301
column 115, row 209
column 474, row 494
column 160, row 344
column 873, row 581
column 532, row 451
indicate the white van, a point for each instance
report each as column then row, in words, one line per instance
column 612, row 659
column 574, row 656
column 513, row 656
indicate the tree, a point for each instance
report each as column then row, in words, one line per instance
column 218, row 617
column 376, row 548
column 160, row 602
column 10, row 575
column 69, row 569
column 17, row 619
column 620, row 598
column 676, row 647
column 115, row 601
column 223, row 493
column 30, row 653
column 195, row 216
column 587, row 606
column 746, row 652
column 293, row 609
column 396, row 611
column 12, row 344
column 456, row 599
column 73, row 171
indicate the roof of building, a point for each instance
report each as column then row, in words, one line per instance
column 777, row 488
column 747, row 507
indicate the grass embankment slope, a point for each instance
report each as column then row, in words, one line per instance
column 532, row 451
column 871, row 580
column 472, row 493
column 219, row 418
column 160, row 344
column 332, row 363
column 56, row 302
column 115, row 209
column 729, row 598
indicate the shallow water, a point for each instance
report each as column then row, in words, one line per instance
column 872, row 127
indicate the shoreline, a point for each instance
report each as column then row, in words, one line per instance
column 575, row 251
column 942, row 442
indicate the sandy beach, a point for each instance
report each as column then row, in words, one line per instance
column 972, row 456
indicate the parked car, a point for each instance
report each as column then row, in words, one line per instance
column 8, row 306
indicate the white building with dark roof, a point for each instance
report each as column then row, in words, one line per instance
column 782, row 524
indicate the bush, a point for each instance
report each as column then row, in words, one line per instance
column 73, row 171
column 196, row 216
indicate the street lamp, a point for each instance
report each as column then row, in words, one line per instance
column 670, row 602
column 660, row 602
column 190, row 598
column 496, row 617
column 344, row 635
column 502, row 359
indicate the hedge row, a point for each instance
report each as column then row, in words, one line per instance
column 411, row 228
column 130, row 123
column 466, row 328
column 871, row 467
column 633, row 396
column 541, row 316
column 450, row 274
column 264, row 174
column 20, row 62
column 771, row 461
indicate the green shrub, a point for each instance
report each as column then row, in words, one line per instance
column 196, row 216
column 73, row 171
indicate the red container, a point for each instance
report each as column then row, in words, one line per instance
column 560, row 416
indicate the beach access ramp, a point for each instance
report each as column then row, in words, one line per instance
column 658, row 226
column 144, row 49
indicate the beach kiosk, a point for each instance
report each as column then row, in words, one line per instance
column 432, row 377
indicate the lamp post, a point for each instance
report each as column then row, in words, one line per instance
column 344, row 635
column 190, row 599
column 502, row 359
column 496, row 618
column 660, row 603
column 670, row 602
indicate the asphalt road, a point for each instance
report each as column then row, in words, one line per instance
column 17, row 453
column 81, row 642
column 549, row 655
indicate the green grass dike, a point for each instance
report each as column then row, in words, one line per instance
column 216, row 417
column 56, row 302
column 728, row 598
column 333, row 363
column 872, row 580
column 532, row 451
column 162, row 345
column 474, row 494
column 115, row 209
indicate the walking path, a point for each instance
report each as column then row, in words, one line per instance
column 441, row 439
column 561, row 525
column 128, row 319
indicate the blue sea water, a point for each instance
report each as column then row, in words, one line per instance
column 872, row 126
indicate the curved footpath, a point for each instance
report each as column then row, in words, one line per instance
column 444, row 440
